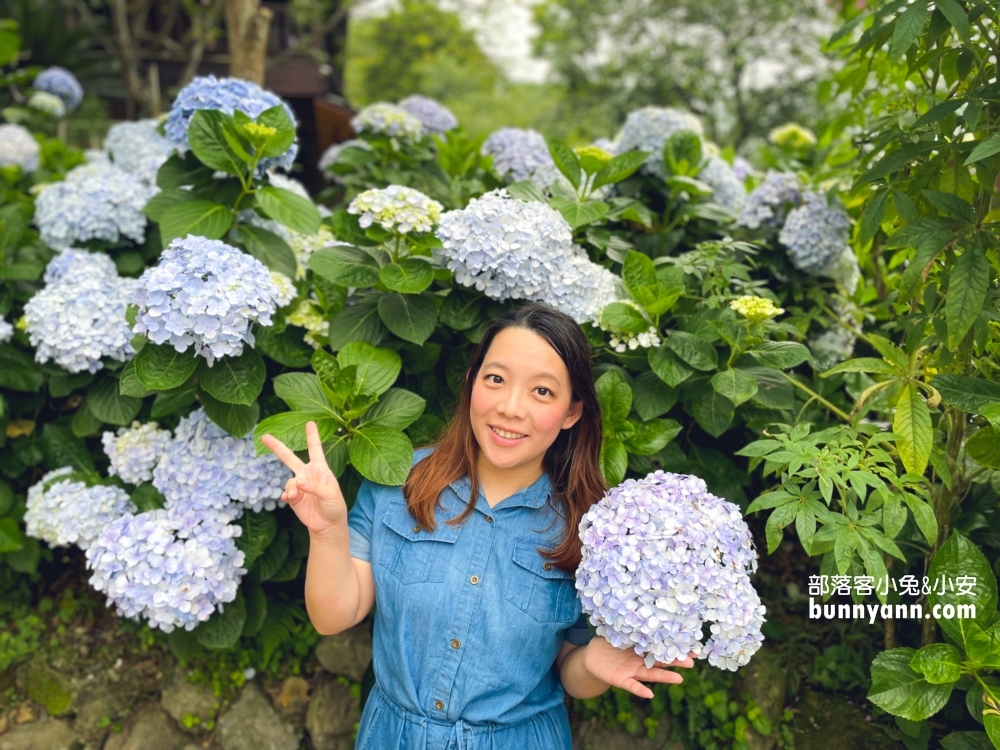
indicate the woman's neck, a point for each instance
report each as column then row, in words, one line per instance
column 499, row 484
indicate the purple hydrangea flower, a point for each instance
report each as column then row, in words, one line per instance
column 62, row 83
column 63, row 511
column 434, row 116
column 72, row 263
column 816, row 233
column 768, row 203
column 521, row 154
column 134, row 451
column 727, row 189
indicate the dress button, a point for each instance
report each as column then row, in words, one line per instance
column 416, row 529
column 547, row 566
column 456, row 643
column 439, row 705
column 489, row 519
column 474, row 580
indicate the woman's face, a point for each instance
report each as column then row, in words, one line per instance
column 522, row 387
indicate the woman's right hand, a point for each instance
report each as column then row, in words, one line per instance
column 313, row 493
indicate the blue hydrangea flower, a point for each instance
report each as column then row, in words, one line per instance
column 387, row 119
column 99, row 203
column 19, row 148
column 226, row 95
column 648, row 128
column 728, row 189
column 433, row 115
column 173, row 568
column 204, row 467
column 79, row 319
column 66, row 511
column 332, row 155
column 204, row 293
column 836, row 343
column 137, row 148
column 48, row 103
column 768, row 203
column 134, row 451
column 72, row 263
column 504, row 247
column 661, row 558
column 742, row 168
column 519, row 154
column 816, row 233
column 581, row 289
column 62, row 83
column 6, row 331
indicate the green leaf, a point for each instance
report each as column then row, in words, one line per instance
column 984, row 149
column 290, row 209
column 896, row 688
column 967, row 740
column 667, row 366
column 287, row 348
column 267, row 247
column 713, row 411
column 360, row 322
column 928, row 247
column 223, row 628
column 924, row 517
column 377, row 368
column 201, row 218
column 61, row 447
column 939, row 112
column 460, row 312
column 967, row 393
column 409, row 276
column 160, row 367
column 983, row 647
column 650, row 437
column 939, row 663
column 234, row 380
column 912, row 426
column 909, row 25
column 967, row 289
column 620, row 168
column 397, row 408
column 651, row 397
column 129, row 383
column 174, row 400
column 613, row 459
column 638, row 271
column 236, row 419
column 957, row 559
column 302, row 392
column 207, row 141
column 277, row 117
column 862, row 364
column 780, row 354
column 18, row 371
column 84, row 423
column 871, row 219
column 566, row 161
column 256, row 601
column 624, row 317
column 955, row 14
column 984, row 447
column 736, row 385
column 412, row 317
column 146, row 497
column 258, row 531
column 615, row 397
column 11, row 539
column 693, row 350
column 347, row 266
column 951, row 205
column 381, row 454
column 159, row 204
column 274, row 556
column 290, row 429
column 578, row 213
column 108, row 405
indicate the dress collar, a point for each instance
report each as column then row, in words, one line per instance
column 533, row 496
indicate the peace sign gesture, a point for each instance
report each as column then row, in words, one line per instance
column 313, row 493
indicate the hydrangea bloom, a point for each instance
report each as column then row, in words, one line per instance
column 387, row 119
column 81, row 318
column 101, row 203
column 742, row 168
column 172, row 568
column 662, row 557
column 505, row 247
column 226, row 95
column 309, row 315
column 755, row 309
column 332, row 154
column 62, row 83
column 622, row 341
column 815, row 233
column 648, row 128
column 204, row 293
column 769, row 202
column 845, row 270
column 19, row 148
column 728, row 189
column 72, row 263
column 204, row 467
column 305, row 245
column 519, row 154
column 6, row 331
column 792, row 135
column 135, row 450
column 66, row 511
column 137, row 148
column 581, row 288
column 288, row 183
column 286, row 289
column 396, row 208
column 434, row 116
column 48, row 103
column 832, row 346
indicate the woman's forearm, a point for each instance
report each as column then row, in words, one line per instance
column 576, row 680
column 332, row 589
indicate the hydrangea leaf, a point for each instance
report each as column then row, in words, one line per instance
column 256, row 601
column 694, row 351
column 615, row 397
column 236, row 419
column 61, row 447
column 274, row 555
column 267, row 247
column 381, row 454
column 302, row 392
column 566, row 161
column 360, row 322
column 667, row 366
column 651, row 397
column 223, row 629
column 290, row 429
column 412, row 317
column 174, row 400
column 959, row 558
column 160, row 367
column 201, row 218
column 284, row 206
column 620, row 168
column 11, row 538
column 780, row 354
column 287, row 347
column 461, row 312
column 277, row 117
column 108, row 405
column 18, row 371
column 377, row 368
column 84, row 423
column 939, row 663
column 396, row 408
column 207, row 141
column 650, row 437
column 578, row 213
column 409, row 276
column 713, row 411
column 896, row 688
column 966, row 393
column 736, row 385
column 346, row 266
column 984, row 447
column 624, row 317
column 234, row 380
column 613, row 461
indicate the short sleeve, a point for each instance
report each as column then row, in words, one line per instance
column 359, row 521
column 579, row 634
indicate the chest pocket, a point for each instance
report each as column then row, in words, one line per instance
column 412, row 554
column 540, row 589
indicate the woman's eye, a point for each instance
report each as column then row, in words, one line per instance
column 494, row 376
column 547, row 391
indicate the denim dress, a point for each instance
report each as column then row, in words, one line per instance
column 469, row 620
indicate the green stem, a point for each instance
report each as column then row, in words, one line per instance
column 839, row 412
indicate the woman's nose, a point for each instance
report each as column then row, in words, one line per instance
column 510, row 405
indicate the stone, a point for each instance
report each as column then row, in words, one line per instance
column 293, row 701
column 40, row 735
column 593, row 735
column 149, row 728
column 188, row 704
column 95, row 702
column 25, row 714
column 346, row 653
column 333, row 712
column 824, row 722
column 251, row 723
column 764, row 679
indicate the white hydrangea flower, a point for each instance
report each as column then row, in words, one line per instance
column 816, row 233
column 309, row 315
column 728, row 189
column 845, row 270
column 138, row 148
column 286, row 289
column 6, row 331
column 397, row 209
column 18, row 147
column 582, row 289
column 521, row 154
column 73, row 263
column 622, row 341
column 135, row 450
column 387, row 119
column 332, row 155
column 65, row 511
column 51, row 104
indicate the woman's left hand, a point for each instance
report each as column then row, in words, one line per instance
column 625, row 669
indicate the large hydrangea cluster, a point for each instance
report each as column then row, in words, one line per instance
column 768, row 203
column 727, row 189
column 397, row 209
column 226, row 95
column 581, row 289
column 18, row 148
column 63, row 511
column 79, row 316
column 387, row 119
column 206, row 294
column 61, row 83
column 206, row 468
column 521, row 154
column 101, row 202
column 433, row 115
column 648, row 128
column 48, row 103
column 134, row 451
column 661, row 558
column 505, row 247
column 138, row 148
column 172, row 568
column 815, row 233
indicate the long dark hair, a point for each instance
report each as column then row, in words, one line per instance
column 572, row 461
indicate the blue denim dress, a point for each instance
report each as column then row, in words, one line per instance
column 468, row 622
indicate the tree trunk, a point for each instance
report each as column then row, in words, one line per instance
column 247, row 26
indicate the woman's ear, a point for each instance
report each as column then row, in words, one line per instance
column 573, row 415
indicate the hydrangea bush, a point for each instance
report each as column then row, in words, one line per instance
column 62, row 510
column 18, row 148
column 61, row 83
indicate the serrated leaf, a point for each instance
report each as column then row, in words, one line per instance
column 912, row 425
column 290, row 428
column 396, row 408
column 360, row 322
column 614, row 396
column 958, row 558
column 909, row 25
column 288, row 208
column 409, row 276
column 651, row 397
column 160, row 367
column 613, row 460
column 412, row 317
column 578, row 213
column 896, row 688
column 267, row 247
column 201, row 218
column 693, row 350
column 862, row 364
column 346, row 266
column 236, row 419
column 871, row 219
column 967, row 393
column 736, row 385
column 377, row 368
column 620, row 168
column 381, row 454
column 302, row 392
column 566, row 161
column 234, row 380
column 984, row 149
column 107, row 404
column 984, row 447
column 780, row 354
column 223, row 629
column 967, row 290
column 713, row 411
